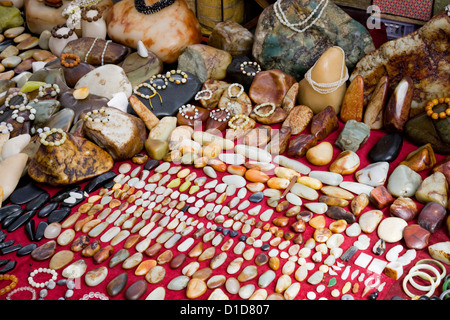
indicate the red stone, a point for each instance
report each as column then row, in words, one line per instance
column 416, row 237
column 380, row 197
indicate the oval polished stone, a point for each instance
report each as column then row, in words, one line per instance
column 61, row 259
column 44, row 251
column 156, row 274
column 248, row 273
column 136, row 290
column 369, row 220
column 116, row 285
column 119, row 257
column 132, row 261
column 80, row 243
column 391, row 229
column 405, row 208
column 416, row 237
column 52, row 231
column 266, row 278
column 103, row 254
column 75, row 270
column 195, row 288
column 96, row 276
column 177, row 261
column 338, row 213
column 432, row 216
column 178, row 283
column 387, row 148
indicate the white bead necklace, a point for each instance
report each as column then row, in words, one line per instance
column 294, row 26
column 325, row 88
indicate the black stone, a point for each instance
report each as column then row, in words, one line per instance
column 265, row 247
column 225, row 232
column 243, row 237
column 40, row 230
column 38, row 202
column 10, row 219
column 337, row 213
column 185, row 208
column 20, row 221
column 24, row 251
column 29, row 229
column 2, row 236
column 219, row 228
column 64, row 193
column 6, row 211
column 151, row 164
column 5, row 44
column 11, row 249
column 374, row 295
column 387, row 148
column 234, row 72
column 99, row 181
column 234, row 233
column 7, row 243
column 109, row 184
column 58, row 215
column 26, row 193
column 45, row 211
column 74, row 204
column 173, row 97
column 8, row 267
column 256, row 197
column 4, row 261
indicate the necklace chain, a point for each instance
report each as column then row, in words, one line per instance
column 294, row 26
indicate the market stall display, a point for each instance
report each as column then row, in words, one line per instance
column 172, row 167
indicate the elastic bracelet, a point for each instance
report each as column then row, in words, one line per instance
column 16, row 290
column 15, row 94
column 44, row 135
column 188, row 106
column 60, row 26
column 199, row 95
column 41, row 284
column 236, row 117
column 171, row 73
column 267, row 114
column 441, row 115
column 101, row 112
column 53, row 93
column 253, row 64
column 9, row 127
column 96, row 295
column 159, row 77
column 91, row 8
column 75, row 60
column 212, row 115
column 241, row 90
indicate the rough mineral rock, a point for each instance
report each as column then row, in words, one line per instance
column 433, row 188
column 405, row 208
column 299, row 145
column 232, row 37
column 140, row 69
column 127, row 26
column 421, row 55
column 440, row 251
column 420, row 159
column 324, row 123
column 403, row 182
column 122, row 136
column 353, row 136
column 77, row 158
column 277, row 46
column 374, row 174
column 373, row 116
column 345, row 163
column 432, row 216
column 298, row 119
column 204, row 61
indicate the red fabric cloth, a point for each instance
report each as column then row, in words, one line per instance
column 26, row 264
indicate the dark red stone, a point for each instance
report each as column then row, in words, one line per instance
column 416, row 237
column 380, row 197
column 432, row 216
column 136, row 290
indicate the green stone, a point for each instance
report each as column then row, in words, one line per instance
column 45, row 109
column 353, row 136
column 10, row 17
column 332, row 282
column 30, row 86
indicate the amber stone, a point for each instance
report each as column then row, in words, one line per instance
column 203, row 273
column 103, row 254
column 353, row 102
column 279, row 140
column 298, row 239
column 396, row 112
column 116, row 285
column 432, row 216
column 131, row 241
column 45, row 251
column 324, row 123
column 80, row 243
column 196, row 250
column 405, row 208
column 373, row 116
column 421, row 159
column 444, row 167
column 274, row 263
column 380, row 197
column 298, row 226
column 299, row 145
column 322, row 234
column 317, row 222
column 416, row 237
column 270, row 86
column 281, row 221
column 165, row 257
column 282, row 206
column 91, row 249
column 136, row 290
column 338, row 226
column 261, row 259
column 144, row 267
column 195, row 288
column 333, row 201
column 153, row 250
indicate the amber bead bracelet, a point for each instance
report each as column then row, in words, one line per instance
column 75, row 60
column 441, row 115
column 11, row 286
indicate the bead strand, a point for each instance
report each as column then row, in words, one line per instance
column 101, row 112
column 441, row 115
column 267, row 114
column 184, row 76
column 9, row 127
column 188, row 106
column 157, row 77
column 236, row 117
column 44, row 135
column 293, row 26
column 104, row 51
column 199, row 95
column 53, row 93
column 241, row 90
column 154, row 8
column 16, row 290
column 41, row 284
column 253, row 64
column 212, row 115
column 15, row 94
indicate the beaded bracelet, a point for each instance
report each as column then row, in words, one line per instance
column 53, row 93
column 8, row 126
column 91, row 8
column 183, row 74
column 157, row 77
column 21, row 119
column 97, row 295
column 199, row 95
column 70, row 284
column 45, row 134
column 236, row 117
column 187, row 106
column 250, row 64
column 55, row 29
column 75, row 60
column 30, row 289
column 146, row 96
column 212, row 115
column 15, row 94
column 11, row 286
column 264, row 115
column 240, row 86
column 35, row 284
column 431, row 104
column 101, row 112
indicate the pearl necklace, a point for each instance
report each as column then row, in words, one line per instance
column 30, row 289
column 253, row 64
column 53, row 93
column 188, row 106
column 293, row 26
column 325, row 88
column 264, row 115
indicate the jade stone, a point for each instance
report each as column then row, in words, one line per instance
column 353, row 136
column 10, row 17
